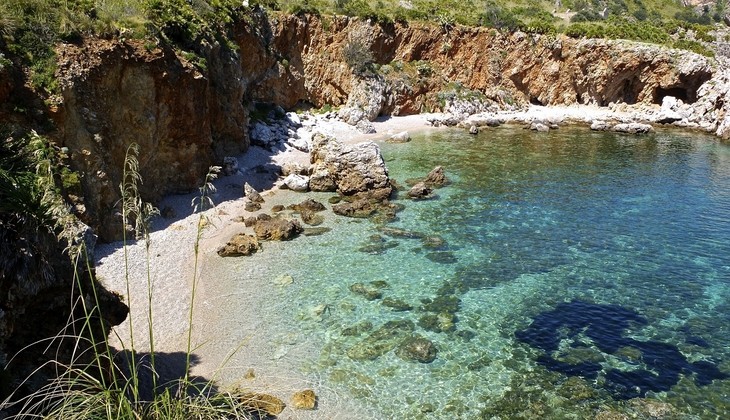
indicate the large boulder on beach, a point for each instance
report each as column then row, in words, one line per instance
column 299, row 183
column 347, row 169
column 276, row 229
column 239, row 245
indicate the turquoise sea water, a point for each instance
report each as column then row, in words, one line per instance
column 563, row 275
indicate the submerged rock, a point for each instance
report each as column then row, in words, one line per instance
column 263, row 403
column 239, row 245
column 382, row 340
column 304, row 400
column 396, row 304
column 369, row 292
column 316, row 231
column 376, row 244
column 308, row 204
column 417, row 348
column 358, row 329
column 442, row 257
column 394, row 232
column 436, row 243
column 311, row 218
column 441, row 322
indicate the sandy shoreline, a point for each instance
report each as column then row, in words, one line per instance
column 173, row 268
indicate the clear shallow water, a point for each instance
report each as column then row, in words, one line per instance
column 575, row 271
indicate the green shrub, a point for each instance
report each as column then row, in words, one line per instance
column 358, row 56
column 693, row 46
column 423, row 68
column 497, row 17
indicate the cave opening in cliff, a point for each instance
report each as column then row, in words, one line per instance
column 677, row 92
column 629, row 92
column 535, row 101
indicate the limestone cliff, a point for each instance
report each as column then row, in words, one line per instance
column 512, row 67
column 186, row 118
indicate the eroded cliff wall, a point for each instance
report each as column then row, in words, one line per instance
column 541, row 69
column 186, row 118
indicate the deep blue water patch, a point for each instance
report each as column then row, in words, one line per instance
column 659, row 365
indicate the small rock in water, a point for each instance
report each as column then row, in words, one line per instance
column 334, row 200
column 381, row 341
column 599, row 125
column 473, row 129
column 358, row 329
column 230, row 166
column 396, row 304
column 419, row 191
column 277, row 208
column 311, row 218
column 320, row 310
column 369, row 292
column 441, row 322
column 250, row 374
column 402, row 137
column 308, row 204
column 434, row 242
column 399, row 233
column 436, row 178
column 277, row 229
column 284, row 280
column 304, row 400
column 316, row 231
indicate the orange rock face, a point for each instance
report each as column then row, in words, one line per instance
column 187, row 118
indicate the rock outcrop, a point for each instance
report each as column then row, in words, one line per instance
column 277, row 229
column 346, row 169
column 116, row 93
column 239, row 245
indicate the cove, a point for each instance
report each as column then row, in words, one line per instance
column 561, row 274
